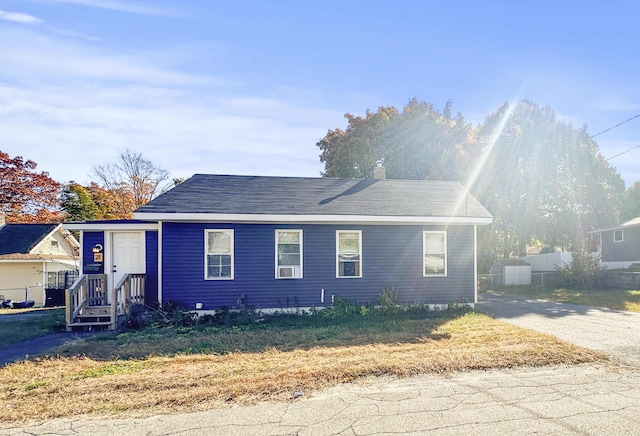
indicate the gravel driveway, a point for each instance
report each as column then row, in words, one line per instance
column 613, row 332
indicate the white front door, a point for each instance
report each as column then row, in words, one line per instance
column 128, row 255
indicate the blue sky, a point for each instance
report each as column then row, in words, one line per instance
column 249, row 87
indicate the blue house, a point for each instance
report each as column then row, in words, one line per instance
column 285, row 242
column 619, row 246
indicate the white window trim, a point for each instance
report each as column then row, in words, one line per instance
column 276, row 253
column 621, row 235
column 359, row 232
column 424, row 249
column 206, row 252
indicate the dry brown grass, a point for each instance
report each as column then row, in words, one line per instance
column 58, row 387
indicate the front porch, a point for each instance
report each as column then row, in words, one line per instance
column 91, row 305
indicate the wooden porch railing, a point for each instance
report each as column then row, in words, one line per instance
column 90, row 290
column 128, row 292
column 87, row 290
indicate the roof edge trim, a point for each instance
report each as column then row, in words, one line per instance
column 110, row 226
column 310, row 219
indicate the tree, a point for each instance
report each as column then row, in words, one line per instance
column 25, row 194
column 96, row 203
column 78, row 203
column 630, row 207
column 112, row 204
column 417, row 143
column 41, row 216
column 542, row 179
column 134, row 175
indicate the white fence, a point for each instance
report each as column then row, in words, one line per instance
column 549, row 261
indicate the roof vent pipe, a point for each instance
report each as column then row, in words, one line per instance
column 379, row 171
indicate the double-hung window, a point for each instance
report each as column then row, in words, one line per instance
column 218, row 254
column 434, row 253
column 288, row 254
column 348, row 253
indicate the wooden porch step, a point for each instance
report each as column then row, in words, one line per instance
column 82, row 325
column 94, row 319
column 88, row 323
column 96, row 311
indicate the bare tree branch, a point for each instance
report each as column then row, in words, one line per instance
column 133, row 174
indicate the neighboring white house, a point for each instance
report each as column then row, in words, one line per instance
column 33, row 257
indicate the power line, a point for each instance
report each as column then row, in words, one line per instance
column 624, row 152
column 613, row 127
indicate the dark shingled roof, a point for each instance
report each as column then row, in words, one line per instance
column 22, row 238
column 223, row 194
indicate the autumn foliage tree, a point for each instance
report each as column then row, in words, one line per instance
column 94, row 202
column 25, row 194
column 114, row 203
column 417, row 143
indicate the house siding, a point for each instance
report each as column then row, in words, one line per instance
column 391, row 255
column 90, row 239
column 151, row 249
column 626, row 251
column 15, row 277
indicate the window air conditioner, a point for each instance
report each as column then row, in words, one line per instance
column 285, row 272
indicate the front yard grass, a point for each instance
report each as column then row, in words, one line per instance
column 17, row 326
column 171, row 370
column 617, row 299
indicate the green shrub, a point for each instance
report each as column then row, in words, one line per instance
column 343, row 307
column 388, row 299
column 583, row 272
column 229, row 318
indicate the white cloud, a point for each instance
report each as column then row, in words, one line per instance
column 22, row 18
column 116, row 6
column 27, row 56
column 72, row 34
column 19, row 17
column 67, row 134
column 69, row 104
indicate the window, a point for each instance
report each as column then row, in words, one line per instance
column 349, row 253
column 288, row 254
column 617, row 236
column 52, row 280
column 219, row 254
column 435, row 253
column 61, row 279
